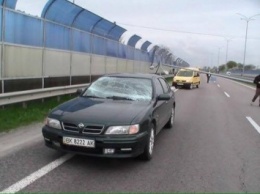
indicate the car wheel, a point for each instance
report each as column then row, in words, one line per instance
column 148, row 150
column 170, row 122
column 198, row 85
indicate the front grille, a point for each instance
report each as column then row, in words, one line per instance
column 70, row 127
column 88, row 129
column 93, row 129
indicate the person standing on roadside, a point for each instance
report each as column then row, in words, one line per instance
column 208, row 77
column 257, row 92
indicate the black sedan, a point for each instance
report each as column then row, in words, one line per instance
column 118, row 116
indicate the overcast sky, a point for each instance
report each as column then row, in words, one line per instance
column 194, row 30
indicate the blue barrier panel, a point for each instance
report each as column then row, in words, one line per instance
column 122, row 51
column 116, row 32
column 8, row 3
column 1, row 11
column 130, row 53
column 57, row 36
column 98, row 45
column 81, row 41
column 102, row 27
column 145, row 45
column 23, row 29
column 133, row 40
column 61, row 11
column 141, row 55
column 69, row 14
column 112, row 48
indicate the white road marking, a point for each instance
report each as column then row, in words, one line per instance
column 255, row 125
column 227, row 94
column 218, row 85
column 37, row 174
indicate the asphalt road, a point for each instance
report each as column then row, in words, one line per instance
column 214, row 146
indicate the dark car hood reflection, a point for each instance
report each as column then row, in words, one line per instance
column 99, row 111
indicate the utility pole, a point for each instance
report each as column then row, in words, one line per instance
column 247, row 19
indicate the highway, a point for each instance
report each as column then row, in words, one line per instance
column 214, row 146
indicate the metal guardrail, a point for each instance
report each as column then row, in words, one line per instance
column 24, row 96
column 231, row 77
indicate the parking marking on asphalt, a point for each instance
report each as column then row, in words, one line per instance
column 227, row 94
column 255, row 125
column 37, row 174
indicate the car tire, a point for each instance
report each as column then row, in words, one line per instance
column 198, row 85
column 170, row 122
column 148, row 150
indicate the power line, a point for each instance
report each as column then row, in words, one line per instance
column 183, row 32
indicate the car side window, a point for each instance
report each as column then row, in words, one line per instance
column 158, row 87
column 165, row 86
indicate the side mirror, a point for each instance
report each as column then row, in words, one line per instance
column 162, row 97
column 79, row 91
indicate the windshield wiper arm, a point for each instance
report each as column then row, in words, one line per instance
column 119, row 98
column 90, row 96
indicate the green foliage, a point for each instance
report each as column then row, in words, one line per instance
column 231, row 64
column 14, row 116
column 250, row 67
column 222, row 67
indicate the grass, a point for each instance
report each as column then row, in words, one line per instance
column 14, row 116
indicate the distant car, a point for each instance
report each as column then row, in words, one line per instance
column 228, row 73
column 188, row 77
column 117, row 116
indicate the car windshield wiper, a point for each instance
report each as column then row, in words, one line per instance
column 91, row 96
column 119, row 98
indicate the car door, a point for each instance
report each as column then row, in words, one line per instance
column 162, row 109
column 167, row 105
column 159, row 106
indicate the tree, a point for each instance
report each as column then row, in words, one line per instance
column 250, row 67
column 231, row 64
column 240, row 66
column 222, row 68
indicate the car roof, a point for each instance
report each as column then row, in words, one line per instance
column 134, row 75
column 189, row 69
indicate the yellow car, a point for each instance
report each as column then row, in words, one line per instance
column 188, row 77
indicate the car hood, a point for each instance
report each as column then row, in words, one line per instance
column 99, row 111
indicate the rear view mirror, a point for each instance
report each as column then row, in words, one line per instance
column 79, row 91
column 164, row 97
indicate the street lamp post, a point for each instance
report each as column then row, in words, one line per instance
column 218, row 55
column 247, row 19
column 227, row 39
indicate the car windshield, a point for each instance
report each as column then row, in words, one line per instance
column 121, row 88
column 184, row 73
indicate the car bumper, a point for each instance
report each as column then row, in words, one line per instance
column 124, row 147
column 181, row 84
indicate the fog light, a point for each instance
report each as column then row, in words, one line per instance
column 55, row 143
column 46, row 139
column 126, row 149
column 109, row 151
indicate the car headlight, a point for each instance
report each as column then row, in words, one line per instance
column 118, row 130
column 54, row 123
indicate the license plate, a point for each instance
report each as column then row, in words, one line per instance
column 179, row 83
column 79, row 142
